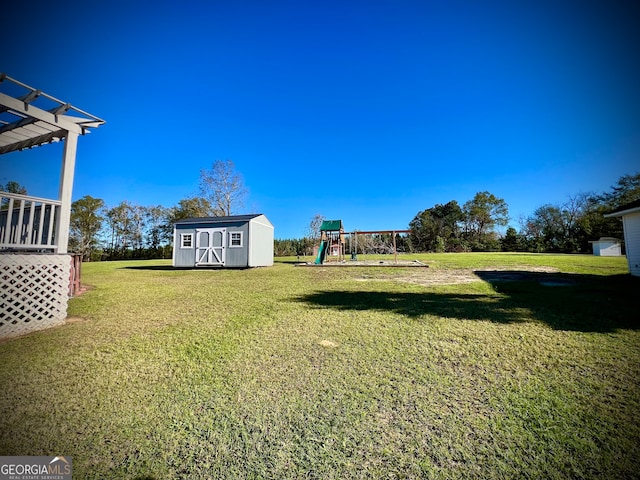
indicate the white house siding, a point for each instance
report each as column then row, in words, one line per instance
column 261, row 242
column 632, row 241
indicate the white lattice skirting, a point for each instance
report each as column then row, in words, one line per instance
column 34, row 291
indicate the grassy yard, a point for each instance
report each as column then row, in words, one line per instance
column 333, row 373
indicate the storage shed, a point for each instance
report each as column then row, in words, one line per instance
column 606, row 247
column 630, row 214
column 236, row 241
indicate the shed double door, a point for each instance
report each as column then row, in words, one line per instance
column 210, row 246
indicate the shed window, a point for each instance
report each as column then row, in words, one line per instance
column 186, row 240
column 235, row 239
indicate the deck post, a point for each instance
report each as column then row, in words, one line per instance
column 66, row 188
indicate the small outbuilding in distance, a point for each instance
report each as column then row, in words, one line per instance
column 237, row 241
column 606, row 247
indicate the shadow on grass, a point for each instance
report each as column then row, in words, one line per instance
column 290, row 261
column 169, row 268
column 586, row 303
column 159, row 268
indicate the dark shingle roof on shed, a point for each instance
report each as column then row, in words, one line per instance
column 232, row 218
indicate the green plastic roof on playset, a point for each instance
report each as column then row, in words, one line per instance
column 331, row 226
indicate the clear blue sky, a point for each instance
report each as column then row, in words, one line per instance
column 368, row 111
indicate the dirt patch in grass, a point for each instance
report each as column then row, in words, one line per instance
column 368, row 263
column 67, row 321
column 439, row 277
column 433, row 277
column 70, row 320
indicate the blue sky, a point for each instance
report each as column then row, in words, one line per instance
column 368, row 111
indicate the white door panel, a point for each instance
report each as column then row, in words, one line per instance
column 211, row 246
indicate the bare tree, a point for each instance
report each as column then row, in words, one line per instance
column 223, row 187
column 375, row 243
column 312, row 235
column 313, row 230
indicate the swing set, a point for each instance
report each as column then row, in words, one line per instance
column 332, row 241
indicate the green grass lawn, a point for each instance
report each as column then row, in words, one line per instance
column 293, row 372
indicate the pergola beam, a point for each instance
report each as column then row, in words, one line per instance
column 33, row 142
column 38, row 114
column 32, row 126
column 25, row 122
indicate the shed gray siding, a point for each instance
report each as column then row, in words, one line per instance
column 238, row 256
column 183, row 257
column 235, row 256
column 256, row 236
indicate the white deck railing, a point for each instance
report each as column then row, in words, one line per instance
column 28, row 223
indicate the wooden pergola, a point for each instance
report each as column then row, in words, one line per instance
column 25, row 124
column 36, row 272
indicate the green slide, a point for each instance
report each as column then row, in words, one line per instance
column 321, row 252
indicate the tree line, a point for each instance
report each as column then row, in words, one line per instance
column 555, row 228
column 477, row 225
column 130, row 231
column 365, row 244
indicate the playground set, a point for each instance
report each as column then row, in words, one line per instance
column 332, row 241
